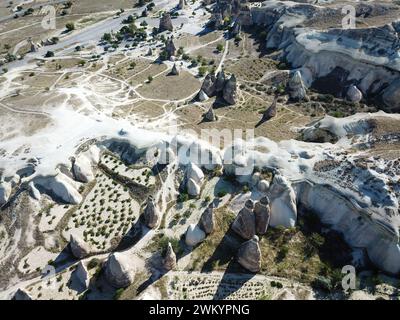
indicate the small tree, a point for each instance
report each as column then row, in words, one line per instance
column 220, row 48
column 70, row 26
column 49, row 54
column 150, row 79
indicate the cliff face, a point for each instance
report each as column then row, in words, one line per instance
column 367, row 58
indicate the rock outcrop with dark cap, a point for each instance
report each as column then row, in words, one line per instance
column 262, row 213
column 207, row 222
column 249, row 255
column 151, row 214
column 169, row 261
column 79, row 248
column 245, row 223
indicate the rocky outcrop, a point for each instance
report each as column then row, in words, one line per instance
column 5, row 192
column 202, row 96
column 283, row 203
column 207, row 222
column 182, row 4
column 210, row 115
column 208, row 86
column 169, row 261
column 82, row 169
column 79, row 248
column 220, row 81
column 119, row 271
column 194, row 179
column 193, row 188
column 194, row 235
column 174, row 70
column 354, row 94
column 151, row 214
column 245, row 223
column 249, row 255
column 166, row 23
column 170, row 48
column 21, row 295
column 230, row 90
column 262, row 213
column 82, row 275
column 263, row 185
column 296, row 88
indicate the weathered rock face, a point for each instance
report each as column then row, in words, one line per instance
column 82, row 275
column 175, row 71
column 79, row 248
column 5, row 192
column 82, row 169
column 296, row 87
column 283, row 203
column 354, row 94
column 202, row 96
column 208, row 86
column 249, row 255
column 220, row 81
column 207, row 222
column 22, row 295
column 262, row 213
column 210, row 115
column 245, row 223
column 194, row 179
column 194, row 235
column 166, row 23
column 151, row 214
column 193, row 188
column 169, row 261
column 230, row 90
column 119, row 270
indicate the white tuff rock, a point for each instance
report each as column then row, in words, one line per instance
column 119, row 270
column 249, row 255
column 194, row 235
column 79, row 248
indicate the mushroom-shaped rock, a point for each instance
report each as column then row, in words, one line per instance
column 202, row 96
column 21, row 295
column 169, row 261
column 249, row 255
column 283, row 203
column 208, row 85
column 354, row 94
column 262, row 213
column 82, row 275
column 296, row 88
column 151, row 214
column 79, row 248
column 5, row 192
column 119, row 270
column 245, row 224
column 82, row 169
column 175, row 71
column 166, row 23
column 230, row 90
column 210, row 115
column 194, row 235
column 207, row 222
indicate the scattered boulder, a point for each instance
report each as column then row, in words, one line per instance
column 21, row 295
column 245, row 223
column 283, row 203
column 296, row 88
column 166, row 23
column 82, row 275
column 249, row 255
column 169, row 261
column 119, row 271
column 79, row 248
column 194, row 235
column 210, row 115
column 354, row 94
column 151, row 214
column 207, row 222
column 262, row 213
column 230, row 90
column 263, row 185
column 175, row 71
